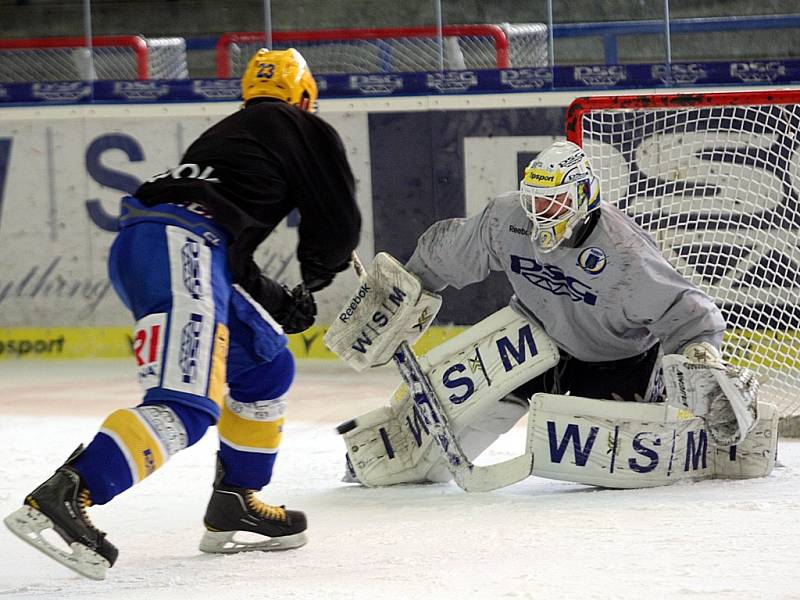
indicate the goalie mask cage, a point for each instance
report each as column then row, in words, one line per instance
column 715, row 179
column 353, row 51
column 114, row 57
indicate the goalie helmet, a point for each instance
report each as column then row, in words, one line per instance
column 281, row 74
column 558, row 192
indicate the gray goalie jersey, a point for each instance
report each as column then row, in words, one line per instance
column 611, row 298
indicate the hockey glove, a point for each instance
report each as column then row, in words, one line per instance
column 298, row 311
column 703, row 353
column 724, row 395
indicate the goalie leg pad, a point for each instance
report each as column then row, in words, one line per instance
column 380, row 451
column 386, row 446
column 631, row 445
column 754, row 456
column 471, row 374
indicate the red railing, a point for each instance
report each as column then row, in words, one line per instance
column 134, row 42
column 493, row 31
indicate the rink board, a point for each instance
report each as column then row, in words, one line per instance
column 115, row 342
column 63, row 170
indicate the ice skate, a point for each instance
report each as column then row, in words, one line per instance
column 235, row 513
column 60, row 504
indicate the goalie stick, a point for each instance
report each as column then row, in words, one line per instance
column 468, row 476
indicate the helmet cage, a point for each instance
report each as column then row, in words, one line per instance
column 571, row 200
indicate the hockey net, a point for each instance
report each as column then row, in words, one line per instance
column 715, row 179
column 112, row 57
column 332, row 51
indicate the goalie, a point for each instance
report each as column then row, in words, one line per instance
column 587, row 279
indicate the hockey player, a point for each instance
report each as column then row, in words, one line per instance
column 593, row 281
column 205, row 315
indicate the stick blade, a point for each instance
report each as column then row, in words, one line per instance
column 476, row 478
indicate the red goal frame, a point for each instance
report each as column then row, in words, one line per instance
column 580, row 106
column 134, row 42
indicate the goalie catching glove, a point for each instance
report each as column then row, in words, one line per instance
column 725, row 396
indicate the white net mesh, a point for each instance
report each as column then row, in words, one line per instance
column 527, row 44
column 124, row 57
column 523, row 45
column 166, row 58
column 718, row 188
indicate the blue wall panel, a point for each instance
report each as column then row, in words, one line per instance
column 418, row 178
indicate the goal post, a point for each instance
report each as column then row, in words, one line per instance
column 715, row 179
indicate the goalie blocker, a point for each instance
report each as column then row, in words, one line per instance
column 390, row 307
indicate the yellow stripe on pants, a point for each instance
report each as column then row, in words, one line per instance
column 249, row 435
column 219, row 362
column 138, row 443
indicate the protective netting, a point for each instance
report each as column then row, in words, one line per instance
column 407, row 50
column 527, row 44
column 715, row 179
column 67, row 59
column 166, row 58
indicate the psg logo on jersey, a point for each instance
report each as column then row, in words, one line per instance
column 592, row 260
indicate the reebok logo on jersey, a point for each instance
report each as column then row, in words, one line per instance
column 519, row 230
column 552, row 279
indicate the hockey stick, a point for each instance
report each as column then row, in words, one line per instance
column 469, row 477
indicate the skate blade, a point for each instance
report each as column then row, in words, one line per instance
column 27, row 524
column 223, row 542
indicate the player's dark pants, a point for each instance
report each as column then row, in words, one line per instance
column 194, row 333
column 627, row 379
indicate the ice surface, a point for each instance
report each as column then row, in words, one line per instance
column 536, row 539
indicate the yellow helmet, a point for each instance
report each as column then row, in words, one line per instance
column 281, row 74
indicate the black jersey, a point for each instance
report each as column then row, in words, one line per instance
column 251, row 170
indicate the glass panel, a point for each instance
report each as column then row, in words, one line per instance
column 43, row 42
column 172, row 39
column 180, row 37
column 609, row 32
column 761, row 30
column 499, row 35
column 367, row 36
